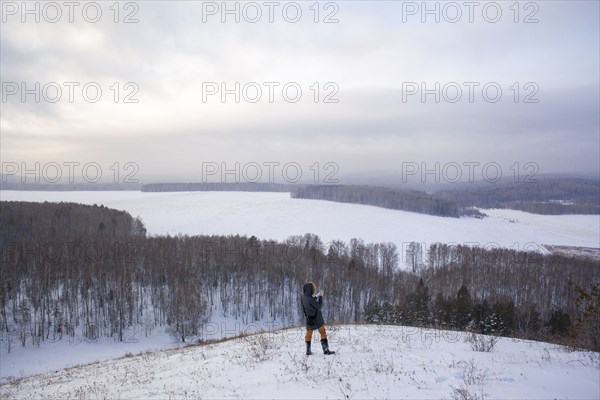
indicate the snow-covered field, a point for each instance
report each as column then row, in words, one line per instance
column 372, row 362
column 277, row 216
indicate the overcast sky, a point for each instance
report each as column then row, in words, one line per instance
column 374, row 62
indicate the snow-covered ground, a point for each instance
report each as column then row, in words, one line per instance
column 277, row 216
column 371, row 362
column 66, row 353
column 17, row 361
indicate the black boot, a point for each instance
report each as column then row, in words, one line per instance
column 325, row 346
column 308, row 352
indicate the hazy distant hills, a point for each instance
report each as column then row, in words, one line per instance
column 548, row 195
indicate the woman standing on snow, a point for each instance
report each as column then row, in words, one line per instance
column 311, row 305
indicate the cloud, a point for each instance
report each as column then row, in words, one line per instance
column 365, row 61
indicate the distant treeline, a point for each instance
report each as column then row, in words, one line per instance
column 395, row 199
column 72, row 270
column 218, row 187
column 62, row 187
column 547, row 196
column 544, row 196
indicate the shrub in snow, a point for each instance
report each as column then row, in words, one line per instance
column 481, row 342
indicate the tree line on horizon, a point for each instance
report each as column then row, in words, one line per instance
column 395, row 199
column 549, row 196
column 73, row 270
column 218, row 187
column 545, row 196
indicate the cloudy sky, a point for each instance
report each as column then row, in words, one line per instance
column 367, row 85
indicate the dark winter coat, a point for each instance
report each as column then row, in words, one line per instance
column 312, row 308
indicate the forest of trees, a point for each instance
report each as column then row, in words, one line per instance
column 395, row 199
column 218, row 187
column 73, row 270
column 544, row 196
column 499, row 291
column 59, row 187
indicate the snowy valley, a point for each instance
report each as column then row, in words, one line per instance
column 373, row 361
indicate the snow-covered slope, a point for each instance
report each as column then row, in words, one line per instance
column 277, row 216
column 372, row 362
column 53, row 355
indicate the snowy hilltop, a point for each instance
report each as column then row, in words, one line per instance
column 372, row 361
